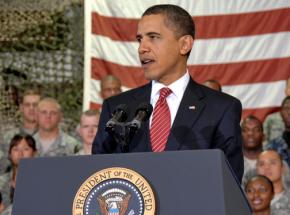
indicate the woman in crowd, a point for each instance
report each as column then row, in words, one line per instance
column 260, row 192
column 21, row 146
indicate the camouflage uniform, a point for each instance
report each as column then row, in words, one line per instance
column 80, row 152
column 280, row 205
column 5, row 187
column 8, row 210
column 4, row 162
column 273, row 126
column 286, row 176
column 62, row 146
column 280, row 145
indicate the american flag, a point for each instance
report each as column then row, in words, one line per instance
column 244, row 44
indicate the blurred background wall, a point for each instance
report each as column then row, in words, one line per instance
column 41, row 46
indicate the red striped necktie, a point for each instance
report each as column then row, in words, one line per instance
column 161, row 122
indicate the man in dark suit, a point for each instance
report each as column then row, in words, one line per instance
column 200, row 118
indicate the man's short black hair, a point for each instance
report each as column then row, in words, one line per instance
column 252, row 118
column 176, row 18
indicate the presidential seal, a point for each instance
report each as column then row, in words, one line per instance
column 114, row 191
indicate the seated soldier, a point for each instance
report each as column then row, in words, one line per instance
column 28, row 124
column 50, row 139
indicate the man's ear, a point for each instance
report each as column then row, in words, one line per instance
column 186, row 43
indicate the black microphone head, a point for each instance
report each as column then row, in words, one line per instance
column 146, row 107
column 123, row 109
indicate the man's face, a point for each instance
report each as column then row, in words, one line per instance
column 29, row 107
column 49, row 116
column 252, row 135
column 285, row 113
column 88, row 128
column 159, row 50
column 270, row 165
column 110, row 88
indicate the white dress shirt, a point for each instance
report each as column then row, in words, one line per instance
column 174, row 99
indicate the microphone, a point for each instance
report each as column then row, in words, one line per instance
column 120, row 114
column 142, row 114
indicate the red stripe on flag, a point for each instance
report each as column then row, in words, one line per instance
column 220, row 26
column 227, row 74
column 244, row 72
column 130, row 76
column 122, row 29
column 260, row 113
column 95, row 106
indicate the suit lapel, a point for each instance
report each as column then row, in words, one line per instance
column 190, row 108
column 143, row 95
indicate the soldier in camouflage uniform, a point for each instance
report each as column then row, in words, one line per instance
column 282, row 143
column 28, row 125
column 273, row 124
column 63, row 145
column 270, row 164
column 50, row 139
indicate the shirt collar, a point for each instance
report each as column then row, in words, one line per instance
column 177, row 87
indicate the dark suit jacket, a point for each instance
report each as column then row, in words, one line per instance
column 214, row 123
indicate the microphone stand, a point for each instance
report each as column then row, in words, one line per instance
column 122, row 134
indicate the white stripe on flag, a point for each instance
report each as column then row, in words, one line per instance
column 259, row 95
column 134, row 8
column 210, row 51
